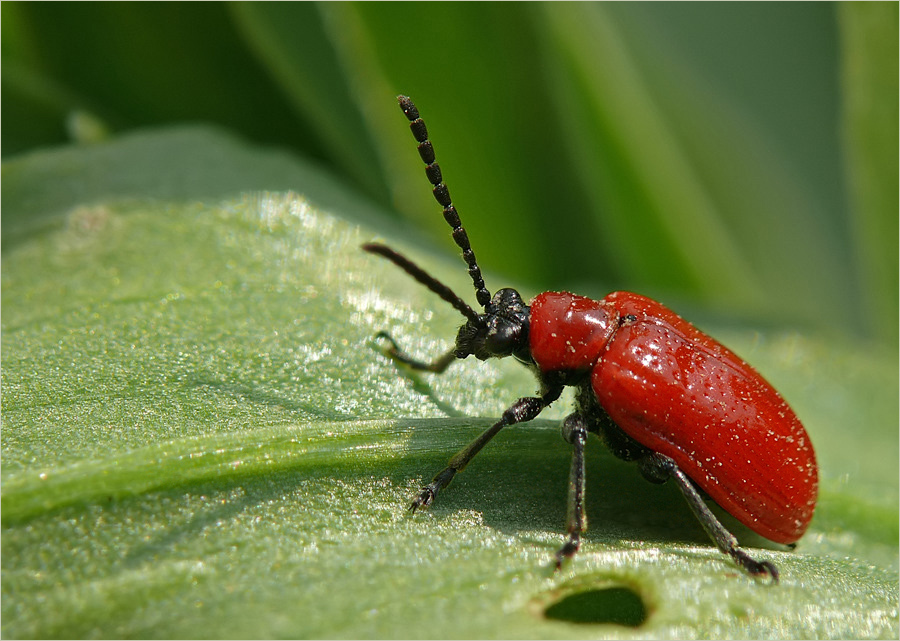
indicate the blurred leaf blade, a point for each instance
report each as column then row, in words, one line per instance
column 720, row 183
column 139, row 65
column 496, row 161
column 730, row 226
column 294, row 42
column 869, row 75
column 629, row 125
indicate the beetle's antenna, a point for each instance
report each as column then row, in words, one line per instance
column 442, row 195
column 426, row 279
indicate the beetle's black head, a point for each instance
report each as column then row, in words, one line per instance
column 501, row 331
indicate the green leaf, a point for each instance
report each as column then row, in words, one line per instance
column 296, row 42
column 200, row 439
column 869, row 74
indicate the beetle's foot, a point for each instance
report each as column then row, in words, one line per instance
column 429, row 492
column 766, row 567
column 383, row 335
column 387, row 344
column 754, row 567
column 424, row 498
column 568, row 550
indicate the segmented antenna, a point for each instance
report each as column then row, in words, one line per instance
column 442, row 195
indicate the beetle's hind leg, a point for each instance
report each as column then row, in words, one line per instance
column 657, row 467
column 393, row 350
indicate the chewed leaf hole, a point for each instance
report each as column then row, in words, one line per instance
column 617, row 605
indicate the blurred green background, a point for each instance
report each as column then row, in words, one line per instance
column 739, row 158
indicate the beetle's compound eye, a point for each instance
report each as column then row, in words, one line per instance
column 507, row 325
column 502, row 336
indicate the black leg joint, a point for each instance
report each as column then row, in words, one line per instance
column 574, row 428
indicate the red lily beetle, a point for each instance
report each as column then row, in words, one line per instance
column 654, row 388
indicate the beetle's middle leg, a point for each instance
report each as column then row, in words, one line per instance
column 574, row 431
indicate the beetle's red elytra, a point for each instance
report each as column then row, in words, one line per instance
column 654, row 388
column 678, row 392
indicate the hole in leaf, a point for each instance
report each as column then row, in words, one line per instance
column 618, row 605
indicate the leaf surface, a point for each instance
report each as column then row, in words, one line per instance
column 200, row 439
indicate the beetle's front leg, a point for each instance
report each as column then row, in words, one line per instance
column 657, row 467
column 574, row 431
column 438, row 365
column 525, row 409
